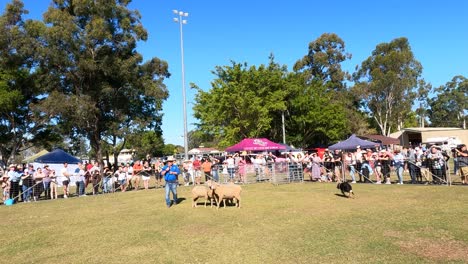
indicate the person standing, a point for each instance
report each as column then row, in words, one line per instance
column 351, row 163
column 137, row 169
column 28, row 183
column 46, row 181
column 358, row 159
column 122, row 178
column 315, row 168
column 53, row 185
column 38, row 177
column 81, row 180
column 170, row 172
column 106, row 180
column 437, row 162
column 337, row 159
column 146, row 174
column 14, row 177
column 196, row 164
column 157, row 172
column 66, row 180
column 206, row 167
column 187, row 172
column 242, row 165
column 462, row 159
column 399, row 163
column 385, row 166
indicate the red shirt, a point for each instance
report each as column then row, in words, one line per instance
column 196, row 164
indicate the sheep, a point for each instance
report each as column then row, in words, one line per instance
column 226, row 191
column 202, row 191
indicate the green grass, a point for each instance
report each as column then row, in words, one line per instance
column 293, row 223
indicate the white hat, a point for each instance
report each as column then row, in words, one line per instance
column 170, row 158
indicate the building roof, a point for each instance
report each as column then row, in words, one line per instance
column 425, row 129
column 203, row 151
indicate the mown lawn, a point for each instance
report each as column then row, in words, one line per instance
column 293, row 223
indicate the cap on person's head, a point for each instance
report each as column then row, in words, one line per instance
column 170, row 159
column 358, row 147
column 12, row 166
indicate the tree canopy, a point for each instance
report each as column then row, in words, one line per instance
column 449, row 107
column 386, row 82
column 96, row 83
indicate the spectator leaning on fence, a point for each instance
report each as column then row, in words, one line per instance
column 14, row 178
column 462, row 158
column 399, row 163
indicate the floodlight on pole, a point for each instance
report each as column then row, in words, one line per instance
column 181, row 22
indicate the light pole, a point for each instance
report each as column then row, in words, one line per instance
column 181, row 22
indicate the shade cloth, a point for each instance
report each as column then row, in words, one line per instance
column 57, row 156
column 352, row 142
column 255, row 144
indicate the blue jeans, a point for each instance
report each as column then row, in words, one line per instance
column 214, row 173
column 231, row 172
column 366, row 165
column 106, row 187
column 46, row 189
column 81, row 187
column 26, row 193
column 352, row 170
column 399, row 172
column 171, row 187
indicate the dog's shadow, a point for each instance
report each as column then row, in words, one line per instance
column 341, row 195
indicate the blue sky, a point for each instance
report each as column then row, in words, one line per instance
column 248, row 31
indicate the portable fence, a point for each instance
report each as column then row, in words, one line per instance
column 275, row 173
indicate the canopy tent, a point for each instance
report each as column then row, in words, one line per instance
column 289, row 148
column 35, row 156
column 55, row 160
column 57, row 156
column 352, row 142
column 255, row 144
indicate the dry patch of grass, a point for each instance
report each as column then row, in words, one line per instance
column 442, row 248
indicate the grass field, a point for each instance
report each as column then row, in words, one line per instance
column 293, row 223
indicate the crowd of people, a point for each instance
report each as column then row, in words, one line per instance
column 25, row 183
column 424, row 165
column 428, row 165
